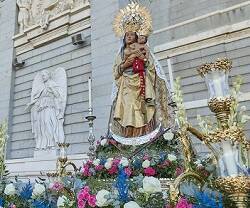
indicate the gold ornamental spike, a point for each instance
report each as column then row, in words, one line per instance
column 133, row 18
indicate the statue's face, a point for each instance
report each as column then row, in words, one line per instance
column 130, row 37
column 142, row 39
column 45, row 76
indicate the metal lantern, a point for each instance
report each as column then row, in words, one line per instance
column 216, row 76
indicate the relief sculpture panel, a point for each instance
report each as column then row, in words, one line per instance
column 40, row 12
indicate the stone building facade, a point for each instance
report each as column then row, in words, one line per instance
column 189, row 33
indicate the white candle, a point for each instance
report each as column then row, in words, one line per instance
column 90, row 92
column 170, row 72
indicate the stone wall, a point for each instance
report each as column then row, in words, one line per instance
column 103, row 49
column 7, row 28
column 77, row 62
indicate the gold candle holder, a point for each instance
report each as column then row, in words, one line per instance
column 221, row 107
column 237, row 188
column 62, row 163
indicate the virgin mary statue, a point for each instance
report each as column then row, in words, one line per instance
column 141, row 96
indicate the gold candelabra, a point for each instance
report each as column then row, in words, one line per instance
column 224, row 141
column 62, row 163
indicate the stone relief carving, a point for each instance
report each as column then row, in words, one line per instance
column 24, row 15
column 47, row 106
column 41, row 11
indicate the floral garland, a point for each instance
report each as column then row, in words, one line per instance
column 71, row 192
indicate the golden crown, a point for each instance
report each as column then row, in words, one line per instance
column 133, row 18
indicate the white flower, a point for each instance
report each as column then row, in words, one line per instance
column 96, row 162
column 172, row 157
column 164, row 195
column 51, row 185
column 197, row 162
column 131, row 204
column 104, row 142
column 101, row 198
column 199, row 165
column 124, row 162
column 38, row 189
column 61, row 201
column 146, row 164
column 108, row 163
column 168, row 136
column 151, row 185
column 10, row 189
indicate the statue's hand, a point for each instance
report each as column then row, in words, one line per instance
column 138, row 53
column 128, row 63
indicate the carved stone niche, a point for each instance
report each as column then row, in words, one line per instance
column 42, row 21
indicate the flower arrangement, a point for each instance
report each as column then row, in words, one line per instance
column 163, row 165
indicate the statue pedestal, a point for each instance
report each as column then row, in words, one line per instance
column 45, row 154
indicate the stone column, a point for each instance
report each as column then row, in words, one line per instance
column 7, row 28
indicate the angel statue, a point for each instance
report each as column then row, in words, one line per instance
column 140, row 96
column 48, row 102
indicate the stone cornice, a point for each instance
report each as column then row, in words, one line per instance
column 202, row 40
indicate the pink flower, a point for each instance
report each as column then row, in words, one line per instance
column 179, row 170
column 85, row 170
column 81, row 204
column 149, row 171
column 116, row 161
column 99, row 167
column 57, row 186
column 112, row 141
column 183, row 203
column 205, row 173
column 92, row 201
column 128, row 171
column 146, row 157
column 86, row 189
column 113, row 170
column 167, row 163
column 85, row 197
column 89, row 162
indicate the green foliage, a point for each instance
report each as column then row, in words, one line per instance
column 3, row 140
column 181, row 117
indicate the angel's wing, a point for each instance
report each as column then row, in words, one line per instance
column 60, row 78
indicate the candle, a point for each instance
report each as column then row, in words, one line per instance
column 90, row 92
column 170, row 72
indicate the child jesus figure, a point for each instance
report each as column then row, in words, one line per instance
column 140, row 59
